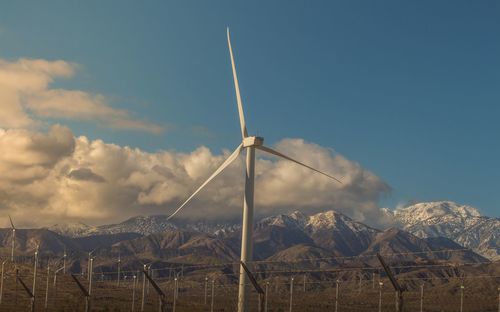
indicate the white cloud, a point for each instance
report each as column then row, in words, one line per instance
column 284, row 185
column 26, row 97
column 54, row 177
column 29, row 156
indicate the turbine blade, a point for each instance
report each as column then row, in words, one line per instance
column 11, row 223
column 276, row 153
column 244, row 132
column 226, row 163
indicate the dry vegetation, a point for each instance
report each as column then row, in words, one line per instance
column 441, row 293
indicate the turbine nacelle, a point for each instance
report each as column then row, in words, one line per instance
column 253, row 141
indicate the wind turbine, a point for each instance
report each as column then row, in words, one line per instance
column 145, row 266
column 64, row 260
column 34, row 269
column 250, row 143
column 89, row 273
column 13, row 239
column 119, row 267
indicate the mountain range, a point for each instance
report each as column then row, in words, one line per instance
column 462, row 224
column 328, row 236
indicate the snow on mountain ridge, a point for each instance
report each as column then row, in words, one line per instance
column 326, row 220
column 424, row 211
column 74, row 229
column 460, row 223
column 159, row 223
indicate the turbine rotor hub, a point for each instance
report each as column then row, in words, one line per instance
column 253, row 141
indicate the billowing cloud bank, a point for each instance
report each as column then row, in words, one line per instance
column 53, row 177
column 50, row 176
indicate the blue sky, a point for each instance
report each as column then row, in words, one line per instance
column 410, row 90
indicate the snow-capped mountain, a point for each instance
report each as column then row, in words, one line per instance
column 76, row 229
column 463, row 224
column 437, row 218
column 330, row 230
column 284, row 236
column 333, row 230
column 143, row 225
column 328, row 220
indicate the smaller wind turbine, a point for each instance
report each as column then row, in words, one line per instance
column 62, row 268
column 146, row 267
column 91, row 273
column 119, row 268
column 1, row 281
column 55, row 274
column 89, row 260
column 34, row 268
column 64, row 260
column 133, row 291
column 13, row 239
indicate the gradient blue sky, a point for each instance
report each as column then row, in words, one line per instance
column 411, row 90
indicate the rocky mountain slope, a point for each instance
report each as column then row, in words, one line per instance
column 426, row 227
column 143, row 225
column 54, row 244
column 289, row 238
column 283, row 237
column 462, row 224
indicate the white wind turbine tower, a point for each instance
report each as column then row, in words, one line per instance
column 250, row 143
column 13, row 239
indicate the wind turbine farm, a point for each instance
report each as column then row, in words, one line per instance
column 13, row 239
column 135, row 175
